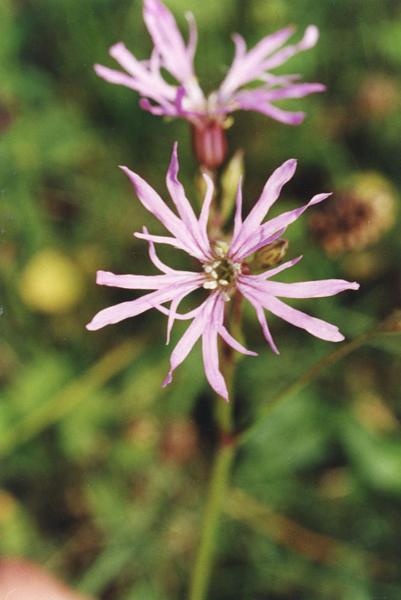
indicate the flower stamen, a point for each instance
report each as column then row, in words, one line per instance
column 221, row 272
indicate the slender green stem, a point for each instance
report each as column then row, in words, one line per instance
column 220, row 475
column 217, row 488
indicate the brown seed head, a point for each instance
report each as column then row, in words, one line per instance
column 356, row 217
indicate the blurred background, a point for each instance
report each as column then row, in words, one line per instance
column 103, row 473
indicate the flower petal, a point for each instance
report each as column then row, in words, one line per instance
column 193, row 35
column 161, row 239
column 127, row 60
column 210, row 351
column 260, row 100
column 146, row 74
column 116, row 77
column 263, row 234
column 314, row 326
column 154, row 204
column 132, row 308
column 161, row 110
column 189, row 339
column 309, row 40
column 230, row 341
column 249, row 100
column 248, row 66
column 248, row 293
column 240, row 50
column 162, row 26
column 146, row 282
column 269, row 44
column 307, row 289
column 297, row 90
column 205, row 211
column 159, row 264
column 269, row 195
column 191, row 314
column 272, row 272
column 184, row 207
column 211, row 362
column 275, row 236
column 172, row 313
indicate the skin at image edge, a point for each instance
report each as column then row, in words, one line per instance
column 22, row 580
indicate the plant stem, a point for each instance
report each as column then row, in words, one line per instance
column 230, row 441
column 220, row 473
column 217, row 488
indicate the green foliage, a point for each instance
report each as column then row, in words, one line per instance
column 104, row 472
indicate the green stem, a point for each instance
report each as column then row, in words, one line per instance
column 220, row 473
column 229, row 443
column 217, row 488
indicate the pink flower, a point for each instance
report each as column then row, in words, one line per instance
column 222, row 273
column 186, row 99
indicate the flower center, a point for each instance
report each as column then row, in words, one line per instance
column 221, row 273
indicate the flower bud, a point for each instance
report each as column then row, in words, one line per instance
column 233, row 173
column 270, row 255
column 209, row 143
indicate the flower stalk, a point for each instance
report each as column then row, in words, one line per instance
column 218, row 485
column 217, row 488
column 220, row 475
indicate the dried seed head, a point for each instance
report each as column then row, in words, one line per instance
column 356, row 217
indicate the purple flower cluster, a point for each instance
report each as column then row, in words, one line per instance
column 223, row 263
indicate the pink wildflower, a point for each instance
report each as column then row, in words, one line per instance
column 223, row 271
column 187, row 100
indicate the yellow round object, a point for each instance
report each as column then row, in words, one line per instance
column 51, row 282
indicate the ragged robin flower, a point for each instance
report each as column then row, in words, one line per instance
column 223, row 271
column 208, row 113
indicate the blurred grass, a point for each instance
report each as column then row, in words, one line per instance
column 103, row 473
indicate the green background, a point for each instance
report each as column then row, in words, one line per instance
column 103, row 473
